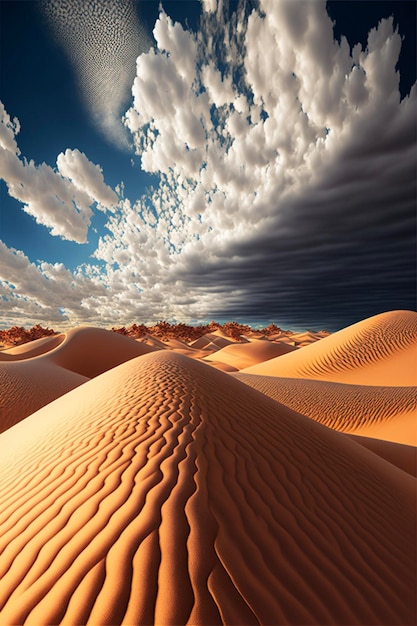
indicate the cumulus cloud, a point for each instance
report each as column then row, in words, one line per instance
column 286, row 163
column 60, row 200
column 306, row 166
column 102, row 40
column 86, row 176
column 50, row 292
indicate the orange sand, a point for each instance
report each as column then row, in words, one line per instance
column 384, row 412
column 381, row 350
column 242, row 355
column 164, row 491
column 35, row 373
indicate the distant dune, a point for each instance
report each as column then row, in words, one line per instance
column 242, row 355
column 29, row 385
column 32, row 348
column 140, row 485
column 381, row 350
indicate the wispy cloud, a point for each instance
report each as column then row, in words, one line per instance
column 102, row 41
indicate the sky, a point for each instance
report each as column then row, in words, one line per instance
column 191, row 161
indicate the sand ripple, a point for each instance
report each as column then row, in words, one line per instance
column 346, row 408
column 381, row 350
column 166, row 491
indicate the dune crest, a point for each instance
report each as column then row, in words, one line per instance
column 165, row 491
column 381, row 350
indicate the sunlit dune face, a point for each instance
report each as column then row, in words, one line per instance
column 381, row 350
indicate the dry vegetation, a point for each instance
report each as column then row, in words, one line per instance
column 18, row 335
column 165, row 330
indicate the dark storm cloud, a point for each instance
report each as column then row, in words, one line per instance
column 346, row 244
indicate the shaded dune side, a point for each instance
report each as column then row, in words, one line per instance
column 91, row 351
column 27, row 386
column 381, row 350
column 403, row 456
column 241, row 355
column 165, row 491
column 346, row 408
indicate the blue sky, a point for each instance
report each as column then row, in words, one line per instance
column 266, row 152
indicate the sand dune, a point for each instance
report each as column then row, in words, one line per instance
column 305, row 339
column 32, row 348
column 381, row 350
column 214, row 340
column 164, row 491
column 242, row 355
column 152, row 341
column 177, row 344
column 38, row 372
column 91, row 351
column 388, row 413
column 27, row 386
column 220, row 365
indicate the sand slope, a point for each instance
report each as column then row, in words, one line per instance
column 166, row 491
column 381, row 350
column 32, row 348
column 38, row 372
column 27, row 386
column 242, row 355
column 384, row 412
column 403, row 456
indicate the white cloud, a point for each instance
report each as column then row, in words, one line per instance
column 38, row 292
column 86, row 176
column 284, row 168
column 209, row 5
column 62, row 200
column 279, row 113
column 8, row 131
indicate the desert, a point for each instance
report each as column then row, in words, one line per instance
column 141, row 483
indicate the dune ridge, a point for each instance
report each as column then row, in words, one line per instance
column 166, row 491
column 381, row 350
